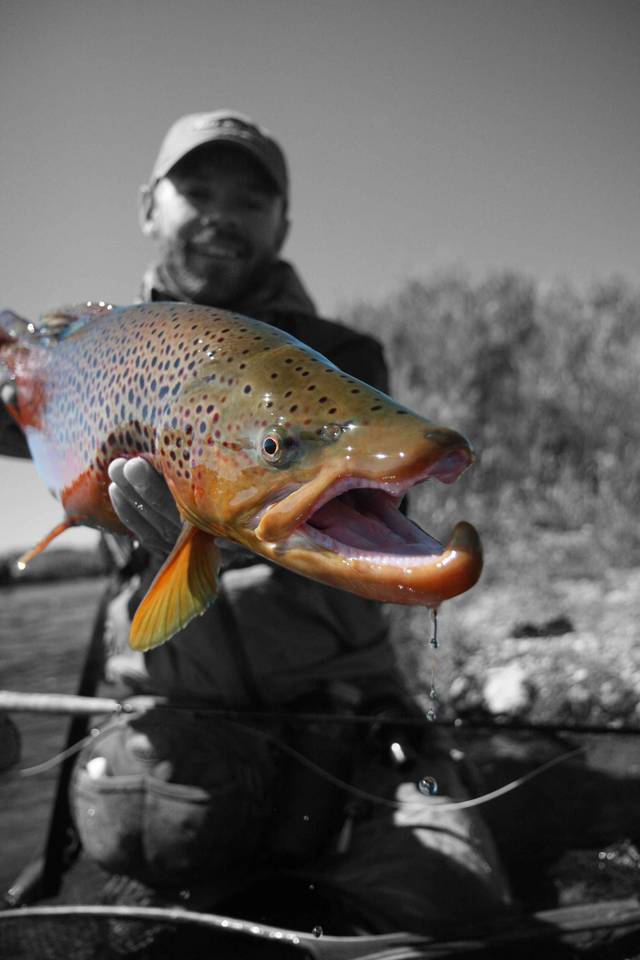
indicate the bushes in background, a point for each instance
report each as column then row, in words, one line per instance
column 543, row 381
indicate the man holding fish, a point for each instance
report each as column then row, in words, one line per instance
column 299, row 661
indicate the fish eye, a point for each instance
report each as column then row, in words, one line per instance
column 278, row 447
column 271, row 447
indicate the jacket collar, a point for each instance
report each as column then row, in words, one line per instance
column 280, row 296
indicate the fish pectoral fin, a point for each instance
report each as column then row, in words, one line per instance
column 183, row 588
column 66, row 524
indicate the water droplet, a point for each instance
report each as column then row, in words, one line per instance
column 434, row 628
column 317, row 930
column 431, row 716
column 433, row 693
column 428, row 786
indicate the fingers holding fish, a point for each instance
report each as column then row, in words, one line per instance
column 8, row 392
column 142, row 501
column 12, row 439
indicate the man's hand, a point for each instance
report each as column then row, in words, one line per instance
column 143, row 502
column 12, row 439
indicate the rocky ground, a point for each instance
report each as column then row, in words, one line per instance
column 548, row 638
column 553, row 640
column 570, row 656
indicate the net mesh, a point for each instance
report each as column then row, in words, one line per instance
column 78, row 937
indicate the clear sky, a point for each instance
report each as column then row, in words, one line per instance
column 420, row 133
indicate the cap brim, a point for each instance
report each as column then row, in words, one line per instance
column 161, row 170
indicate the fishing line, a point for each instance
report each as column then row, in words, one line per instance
column 399, row 804
column 59, row 758
column 325, row 774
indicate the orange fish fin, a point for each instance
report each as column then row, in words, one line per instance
column 44, row 543
column 183, row 588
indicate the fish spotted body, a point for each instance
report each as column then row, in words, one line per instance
column 260, row 439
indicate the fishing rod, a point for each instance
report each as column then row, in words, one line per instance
column 74, row 705
column 39, row 703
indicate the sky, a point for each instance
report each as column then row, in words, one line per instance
column 421, row 134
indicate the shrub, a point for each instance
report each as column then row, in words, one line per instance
column 544, row 381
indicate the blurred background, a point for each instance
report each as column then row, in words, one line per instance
column 465, row 186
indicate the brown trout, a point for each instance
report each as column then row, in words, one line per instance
column 260, row 439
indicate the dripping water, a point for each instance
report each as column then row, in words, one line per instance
column 433, row 639
column 431, row 713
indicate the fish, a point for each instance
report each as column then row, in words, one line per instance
column 260, row 439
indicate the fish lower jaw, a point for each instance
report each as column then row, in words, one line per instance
column 360, row 541
column 424, row 573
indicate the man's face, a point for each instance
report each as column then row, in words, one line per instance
column 218, row 222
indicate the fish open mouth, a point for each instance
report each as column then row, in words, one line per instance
column 348, row 531
column 356, row 537
column 365, row 520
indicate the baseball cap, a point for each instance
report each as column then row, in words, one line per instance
column 221, row 126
